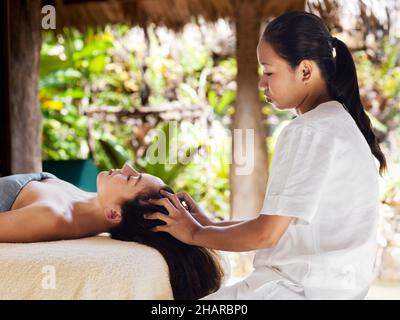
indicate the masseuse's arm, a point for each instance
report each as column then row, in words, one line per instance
column 264, row 231
column 226, row 223
column 37, row 222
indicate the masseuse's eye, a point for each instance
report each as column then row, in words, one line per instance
column 268, row 73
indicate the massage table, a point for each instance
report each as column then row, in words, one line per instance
column 90, row 268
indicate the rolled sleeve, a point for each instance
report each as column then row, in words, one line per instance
column 300, row 166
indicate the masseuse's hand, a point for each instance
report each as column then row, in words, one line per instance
column 179, row 223
column 193, row 208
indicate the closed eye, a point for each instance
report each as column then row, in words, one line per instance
column 140, row 177
column 137, row 180
column 267, row 73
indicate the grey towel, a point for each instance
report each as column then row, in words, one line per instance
column 11, row 186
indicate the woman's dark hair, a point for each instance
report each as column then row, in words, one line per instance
column 194, row 271
column 300, row 35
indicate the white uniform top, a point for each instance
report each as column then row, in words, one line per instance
column 324, row 174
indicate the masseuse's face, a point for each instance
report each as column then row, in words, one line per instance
column 282, row 86
column 119, row 185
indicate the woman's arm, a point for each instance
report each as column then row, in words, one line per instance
column 226, row 223
column 33, row 223
column 261, row 232
column 264, row 231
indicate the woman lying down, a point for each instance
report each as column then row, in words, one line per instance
column 40, row 207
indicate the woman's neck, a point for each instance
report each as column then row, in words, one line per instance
column 88, row 215
column 312, row 99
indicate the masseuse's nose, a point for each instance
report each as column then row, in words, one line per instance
column 128, row 170
column 263, row 84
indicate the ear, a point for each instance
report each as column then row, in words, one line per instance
column 305, row 71
column 113, row 215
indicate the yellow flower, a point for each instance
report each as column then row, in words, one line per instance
column 108, row 36
column 52, row 104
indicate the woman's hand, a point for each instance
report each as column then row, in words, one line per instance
column 179, row 223
column 193, row 208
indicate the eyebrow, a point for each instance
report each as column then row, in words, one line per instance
column 266, row 63
column 140, row 177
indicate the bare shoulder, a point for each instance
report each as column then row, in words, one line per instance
column 40, row 221
column 37, row 192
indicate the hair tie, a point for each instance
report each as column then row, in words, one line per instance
column 334, row 43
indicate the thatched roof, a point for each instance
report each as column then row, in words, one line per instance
column 171, row 13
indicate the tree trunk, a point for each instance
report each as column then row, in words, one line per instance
column 25, row 114
column 5, row 134
column 248, row 186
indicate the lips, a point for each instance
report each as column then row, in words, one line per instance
column 267, row 97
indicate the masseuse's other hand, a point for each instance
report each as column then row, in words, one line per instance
column 179, row 223
column 193, row 208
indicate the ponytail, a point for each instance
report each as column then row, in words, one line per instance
column 343, row 87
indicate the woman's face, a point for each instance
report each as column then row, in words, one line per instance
column 282, row 86
column 119, row 185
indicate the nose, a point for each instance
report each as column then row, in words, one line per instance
column 129, row 170
column 262, row 84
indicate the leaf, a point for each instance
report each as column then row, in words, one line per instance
column 212, row 99
column 227, row 99
column 97, row 64
column 115, row 153
column 49, row 63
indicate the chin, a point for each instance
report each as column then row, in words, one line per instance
column 280, row 106
column 99, row 177
column 276, row 105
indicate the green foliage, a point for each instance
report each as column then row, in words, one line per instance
column 64, row 132
column 380, row 81
column 221, row 93
column 116, row 154
column 207, row 177
column 109, row 67
column 220, row 104
column 69, row 63
column 170, row 164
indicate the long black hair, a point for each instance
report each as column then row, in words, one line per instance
column 300, row 35
column 194, row 271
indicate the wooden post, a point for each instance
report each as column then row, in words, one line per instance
column 25, row 114
column 247, row 191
